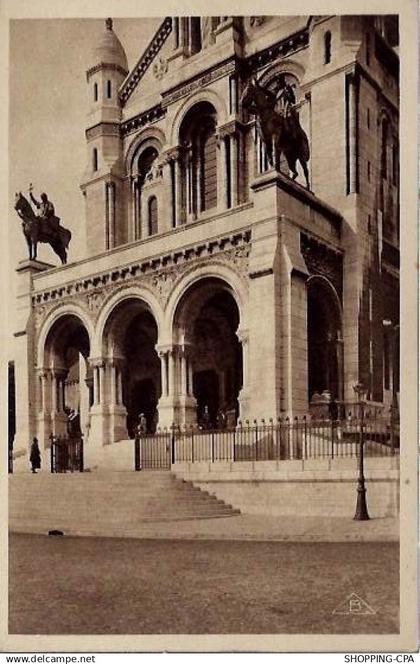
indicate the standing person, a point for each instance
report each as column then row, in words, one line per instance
column 140, row 431
column 142, row 425
column 35, row 456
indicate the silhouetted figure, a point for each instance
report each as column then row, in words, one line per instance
column 35, row 456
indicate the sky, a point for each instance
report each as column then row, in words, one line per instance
column 47, row 116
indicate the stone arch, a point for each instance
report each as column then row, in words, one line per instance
column 114, row 300
column 325, row 340
column 127, row 337
column 205, row 95
column 54, row 315
column 152, row 136
column 207, row 327
column 214, row 271
column 64, row 390
column 283, row 67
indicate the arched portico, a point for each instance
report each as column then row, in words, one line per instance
column 203, row 363
column 63, row 374
column 126, row 367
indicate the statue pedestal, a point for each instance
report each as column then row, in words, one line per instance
column 32, row 266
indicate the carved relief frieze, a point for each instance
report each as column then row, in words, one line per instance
column 159, row 275
column 173, row 95
column 160, row 68
column 323, row 260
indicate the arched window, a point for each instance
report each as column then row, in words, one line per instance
column 108, row 89
column 95, row 92
column 208, row 168
column 95, row 159
column 152, row 220
column 327, row 47
column 199, row 166
column 146, row 160
column 195, row 34
column 384, row 149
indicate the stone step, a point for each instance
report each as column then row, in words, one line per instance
column 106, row 502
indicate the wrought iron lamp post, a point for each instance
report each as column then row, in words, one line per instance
column 361, row 506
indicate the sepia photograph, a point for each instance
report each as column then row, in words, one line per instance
column 205, row 426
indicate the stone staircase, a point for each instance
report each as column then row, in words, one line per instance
column 106, row 503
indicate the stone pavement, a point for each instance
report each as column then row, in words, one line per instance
column 276, row 528
column 252, row 527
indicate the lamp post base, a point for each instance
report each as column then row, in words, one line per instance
column 361, row 507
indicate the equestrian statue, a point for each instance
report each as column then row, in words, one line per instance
column 278, row 124
column 44, row 227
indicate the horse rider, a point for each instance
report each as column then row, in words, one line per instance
column 46, row 209
column 285, row 97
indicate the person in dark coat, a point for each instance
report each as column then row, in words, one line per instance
column 35, row 456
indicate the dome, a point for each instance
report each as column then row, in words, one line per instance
column 109, row 49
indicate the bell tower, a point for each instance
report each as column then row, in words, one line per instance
column 103, row 180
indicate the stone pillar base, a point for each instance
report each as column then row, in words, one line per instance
column 187, row 410
column 117, row 423
column 44, row 431
column 59, row 424
column 98, row 430
column 168, row 412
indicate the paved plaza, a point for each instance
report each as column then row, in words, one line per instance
column 117, row 586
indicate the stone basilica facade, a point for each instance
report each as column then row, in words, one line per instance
column 212, row 280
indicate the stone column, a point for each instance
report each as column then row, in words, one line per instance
column 222, row 179
column 352, row 82
column 58, row 416
column 187, row 401
column 174, row 157
column 243, row 337
column 110, row 197
column 163, row 355
column 117, row 410
column 234, row 156
column 99, row 416
column 44, row 406
column 168, row 402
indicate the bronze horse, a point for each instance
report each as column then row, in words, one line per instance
column 281, row 134
column 37, row 230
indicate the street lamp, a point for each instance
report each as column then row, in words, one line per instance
column 361, row 507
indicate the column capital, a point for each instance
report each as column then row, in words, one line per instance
column 173, row 154
column 117, row 362
column 43, row 372
column 229, row 128
column 58, row 372
column 96, row 361
column 242, row 335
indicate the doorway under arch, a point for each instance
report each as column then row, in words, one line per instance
column 325, row 341
column 68, row 396
column 207, row 321
column 130, row 337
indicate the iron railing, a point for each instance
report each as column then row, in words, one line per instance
column 67, row 455
column 282, row 439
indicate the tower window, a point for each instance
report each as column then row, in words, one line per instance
column 153, row 215
column 327, row 47
column 395, row 164
column 95, row 159
column 368, row 118
column 195, row 34
column 95, row 92
column 368, row 171
column 384, row 148
column 108, row 89
column 368, row 50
